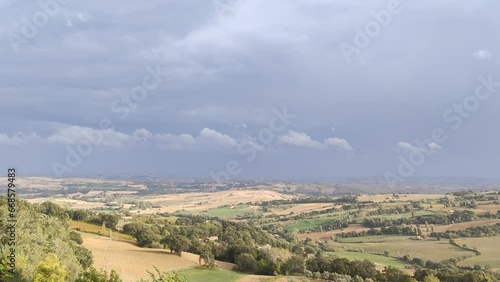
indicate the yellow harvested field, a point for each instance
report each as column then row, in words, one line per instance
column 68, row 203
column 130, row 261
column 114, row 193
column 47, row 183
column 488, row 208
column 39, row 183
column 96, row 193
column 206, row 201
column 402, row 197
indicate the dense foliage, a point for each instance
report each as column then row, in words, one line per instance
column 45, row 247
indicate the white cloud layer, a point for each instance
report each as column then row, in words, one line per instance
column 338, row 143
column 482, row 54
column 73, row 134
column 434, row 146
column 206, row 138
column 18, row 138
column 407, row 147
column 304, row 140
column 85, row 16
column 301, row 140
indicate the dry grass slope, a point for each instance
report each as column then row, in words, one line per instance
column 130, row 261
column 207, row 201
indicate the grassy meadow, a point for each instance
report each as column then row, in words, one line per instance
column 489, row 248
column 399, row 246
column 205, row 275
column 377, row 259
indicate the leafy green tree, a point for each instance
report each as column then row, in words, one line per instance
column 114, row 277
column 111, row 220
column 393, row 274
column 50, row 270
column 84, row 256
column 357, row 279
column 478, row 276
column 294, row 265
column 162, row 276
column 79, row 215
column 363, row 268
column 176, row 243
column 76, row 237
column 420, row 274
column 431, row 278
column 208, row 260
column 132, row 228
column 246, row 263
column 310, row 250
column 93, row 275
column 52, row 209
column 4, row 263
column 146, row 236
column 418, row 261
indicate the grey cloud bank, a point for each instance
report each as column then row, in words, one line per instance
column 227, row 71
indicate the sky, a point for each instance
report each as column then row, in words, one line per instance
column 229, row 89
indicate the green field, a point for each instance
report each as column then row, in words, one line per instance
column 489, row 248
column 311, row 224
column 396, row 216
column 324, row 219
column 367, row 239
column 399, row 246
column 205, row 275
column 377, row 259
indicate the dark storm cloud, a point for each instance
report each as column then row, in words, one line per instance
column 228, row 70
